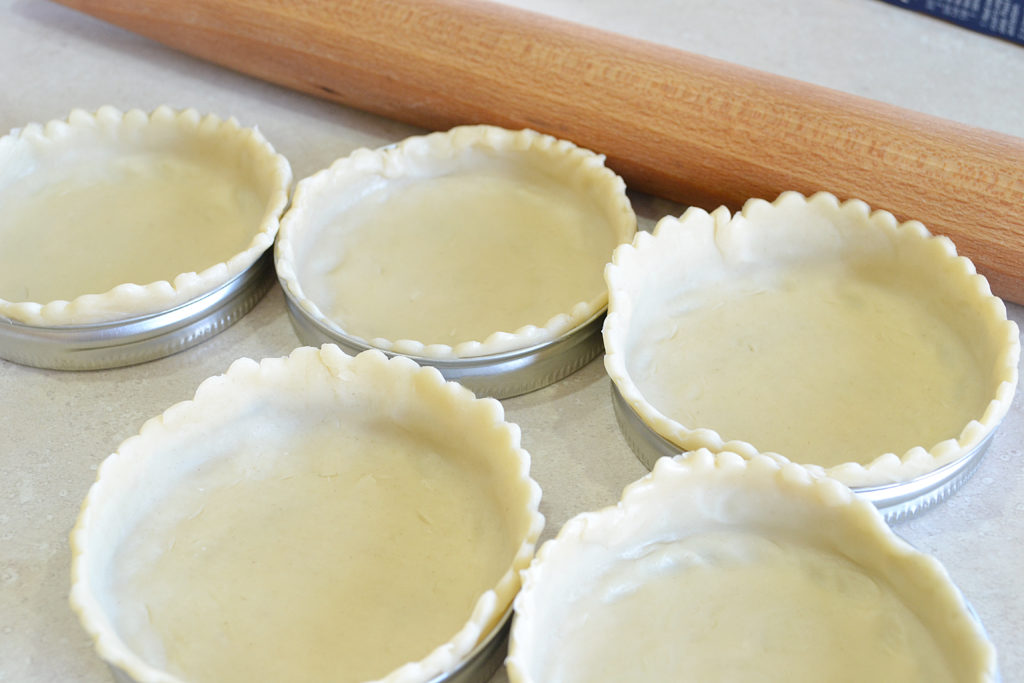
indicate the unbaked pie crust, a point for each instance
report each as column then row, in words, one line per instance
column 311, row 518
column 108, row 215
column 718, row 567
column 815, row 329
column 466, row 243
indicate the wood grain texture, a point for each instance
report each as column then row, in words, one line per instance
column 673, row 124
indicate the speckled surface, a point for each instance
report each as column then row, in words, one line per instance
column 55, row 428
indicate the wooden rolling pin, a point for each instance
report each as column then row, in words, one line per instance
column 673, row 124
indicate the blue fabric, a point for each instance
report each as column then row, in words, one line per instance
column 999, row 18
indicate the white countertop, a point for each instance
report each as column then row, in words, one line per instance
column 56, row 427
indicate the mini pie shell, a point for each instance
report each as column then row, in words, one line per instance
column 413, row 158
column 389, row 386
column 134, row 132
column 684, row 239
column 701, row 491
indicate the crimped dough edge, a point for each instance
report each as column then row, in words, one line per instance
column 394, row 161
column 765, row 494
column 128, row 130
column 698, row 230
column 385, row 378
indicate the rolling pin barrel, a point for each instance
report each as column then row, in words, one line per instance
column 673, row 124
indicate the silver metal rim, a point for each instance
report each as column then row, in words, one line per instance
column 500, row 375
column 897, row 501
column 140, row 339
column 485, row 659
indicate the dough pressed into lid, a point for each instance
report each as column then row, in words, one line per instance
column 719, row 567
column 466, row 243
column 811, row 328
column 315, row 517
column 108, row 215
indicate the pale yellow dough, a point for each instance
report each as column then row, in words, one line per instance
column 110, row 215
column 84, row 228
column 456, row 258
column 719, row 568
column 823, row 364
column 459, row 244
column 318, row 517
column 816, row 329
column 340, row 560
column 741, row 607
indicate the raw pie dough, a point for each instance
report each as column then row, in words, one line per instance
column 721, row 568
column 738, row 606
column 111, row 215
column 817, row 330
column 453, row 259
column 821, row 363
column 161, row 226
column 461, row 243
column 361, row 524
column 299, row 537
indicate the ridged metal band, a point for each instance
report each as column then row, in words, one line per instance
column 127, row 342
column 898, row 501
column 484, row 660
column 501, row 375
